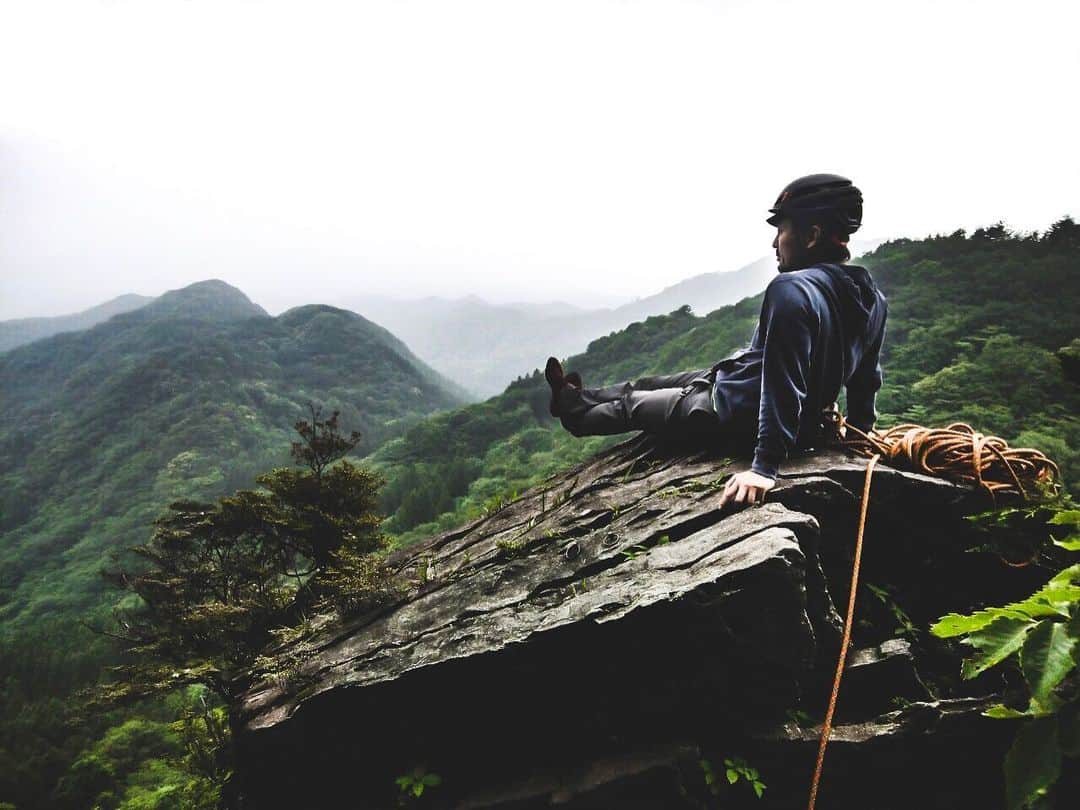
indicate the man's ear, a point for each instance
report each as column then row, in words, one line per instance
column 813, row 236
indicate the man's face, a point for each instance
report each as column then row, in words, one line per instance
column 792, row 248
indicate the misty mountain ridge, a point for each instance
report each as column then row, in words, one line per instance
column 189, row 396
column 479, row 346
column 20, row 331
column 485, row 346
column 212, row 300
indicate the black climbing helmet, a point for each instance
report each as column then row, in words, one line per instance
column 826, row 199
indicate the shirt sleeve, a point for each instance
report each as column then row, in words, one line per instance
column 788, row 324
column 863, row 386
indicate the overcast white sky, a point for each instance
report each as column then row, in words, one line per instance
column 304, row 151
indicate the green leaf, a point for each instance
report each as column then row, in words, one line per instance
column 955, row 624
column 1033, row 763
column 998, row 641
column 732, row 776
column 1070, row 543
column 1069, row 576
column 759, row 788
column 1046, row 658
column 1070, row 517
column 1000, row 711
column 880, row 593
column 1060, row 597
column 432, row 780
column 1053, row 599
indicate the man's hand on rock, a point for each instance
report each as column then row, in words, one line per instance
column 746, row 488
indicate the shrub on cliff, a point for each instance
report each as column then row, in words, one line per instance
column 220, row 580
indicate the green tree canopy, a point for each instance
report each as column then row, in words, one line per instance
column 217, row 579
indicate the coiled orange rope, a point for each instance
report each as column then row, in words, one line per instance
column 957, row 453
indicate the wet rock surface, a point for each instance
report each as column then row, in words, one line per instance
column 593, row 642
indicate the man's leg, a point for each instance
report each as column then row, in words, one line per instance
column 591, row 397
column 674, row 406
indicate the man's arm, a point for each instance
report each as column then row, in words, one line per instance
column 788, row 325
column 863, row 386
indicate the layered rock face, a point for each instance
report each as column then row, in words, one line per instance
column 609, row 639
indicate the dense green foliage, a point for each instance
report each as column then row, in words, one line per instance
column 219, row 578
column 982, row 329
column 1040, row 637
column 147, row 758
column 187, row 398
column 216, row 584
column 167, row 757
column 182, row 399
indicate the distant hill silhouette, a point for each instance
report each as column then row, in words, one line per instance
column 212, row 300
column 484, row 346
column 20, row 331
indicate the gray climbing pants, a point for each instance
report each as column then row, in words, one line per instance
column 672, row 406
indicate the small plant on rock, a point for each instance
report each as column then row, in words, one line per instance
column 413, row 785
column 735, row 769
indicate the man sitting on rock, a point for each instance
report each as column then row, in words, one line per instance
column 821, row 327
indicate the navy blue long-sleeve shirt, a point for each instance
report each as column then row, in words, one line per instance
column 820, row 328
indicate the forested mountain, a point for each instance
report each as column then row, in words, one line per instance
column 190, row 395
column 982, row 329
column 20, row 331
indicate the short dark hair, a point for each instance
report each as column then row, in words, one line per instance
column 831, row 246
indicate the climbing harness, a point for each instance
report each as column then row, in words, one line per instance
column 957, row 453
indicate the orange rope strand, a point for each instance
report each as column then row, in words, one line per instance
column 826, row 728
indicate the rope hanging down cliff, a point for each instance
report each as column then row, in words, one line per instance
column 958, row 453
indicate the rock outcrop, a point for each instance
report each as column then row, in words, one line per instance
column 611, row 637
